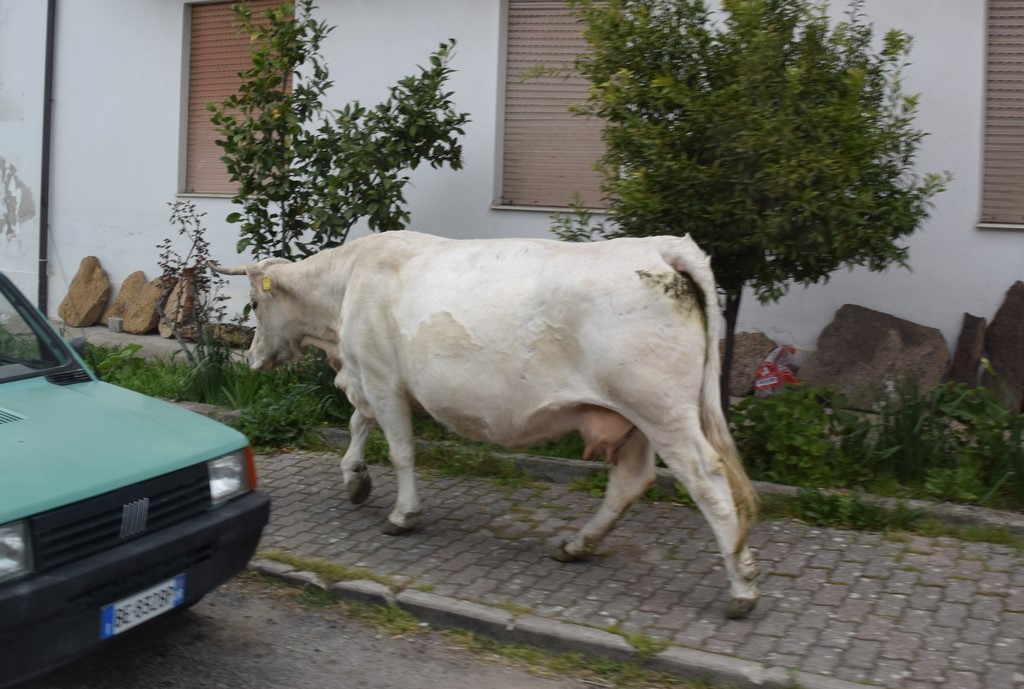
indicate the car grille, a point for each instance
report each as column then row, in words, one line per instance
column 84, row 528
column 137, row 581
column 69, row 377
column 7, row 416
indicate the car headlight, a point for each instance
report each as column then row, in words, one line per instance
column 231, row 475
column 15, row 550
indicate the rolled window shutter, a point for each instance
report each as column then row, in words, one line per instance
column 549, row 154
column 1003, row 182
column 217, row 54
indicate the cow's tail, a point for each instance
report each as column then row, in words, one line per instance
column 686, row 257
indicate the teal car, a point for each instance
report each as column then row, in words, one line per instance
column 115, row 508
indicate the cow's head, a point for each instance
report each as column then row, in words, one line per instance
column 279, row 324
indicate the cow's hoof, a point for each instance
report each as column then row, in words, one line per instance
column 563, row 554
column 359, row 487
column 741, row 607
column 392, row 529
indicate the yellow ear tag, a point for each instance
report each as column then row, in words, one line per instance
column 266, row 283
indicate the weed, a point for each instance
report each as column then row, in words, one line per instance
column 122, row 366
column 509, row 606
column 283, row 419
column 106, row 360
column 646, row 647
column 851, row 511
column 316, row 597
column 329, row 572
column 999, row 535
column 455, row 460
column 593, row 483
column 955, row 443
column 795, row 436
column 589, row 669
column 389, row 619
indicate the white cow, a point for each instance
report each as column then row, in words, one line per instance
column 515, row 341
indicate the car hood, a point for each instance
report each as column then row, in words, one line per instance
column 60, row 444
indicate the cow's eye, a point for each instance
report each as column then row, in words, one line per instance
column 253, row 305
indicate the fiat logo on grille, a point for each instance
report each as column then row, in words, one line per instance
column 133, row 518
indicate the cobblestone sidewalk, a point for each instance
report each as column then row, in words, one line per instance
column 908, row 612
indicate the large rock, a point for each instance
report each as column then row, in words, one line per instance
column 1004, row 341
column 136, row 303
column 87, row 296
column 238, row 336
column 180, row 310
column 749, row 351
column 862, row 352
column 969, row 349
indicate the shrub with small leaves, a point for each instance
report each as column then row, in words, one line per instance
column 281, row 420
column 306, row 174
column 792, row 437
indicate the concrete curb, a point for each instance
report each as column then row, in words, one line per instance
column 555, row 636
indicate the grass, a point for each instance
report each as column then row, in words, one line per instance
column 998, row 535
column 590, row 670
column 329, row 572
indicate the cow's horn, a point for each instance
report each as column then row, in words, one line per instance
column 233, row 270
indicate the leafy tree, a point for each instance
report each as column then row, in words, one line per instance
column 784, row 145
column 305, row 174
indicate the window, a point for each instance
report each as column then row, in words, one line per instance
column 217, row 53
column 548, row 153
column 1002, row 202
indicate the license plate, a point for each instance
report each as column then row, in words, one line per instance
column 144, row 605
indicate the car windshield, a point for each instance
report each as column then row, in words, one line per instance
column 27, row 346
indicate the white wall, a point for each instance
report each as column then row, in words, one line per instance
column 22, row 27
column 117, row 142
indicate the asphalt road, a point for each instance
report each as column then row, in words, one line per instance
column 248, row 636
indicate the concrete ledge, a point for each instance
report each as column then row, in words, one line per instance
column 270, row 568
column 691, row 664
column 450, row 612
column 564, row 637
column 556, row 636
column 286, row 573
column 736, row 673
column 363, row 591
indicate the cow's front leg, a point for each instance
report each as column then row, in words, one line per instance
column 353, row 464
column 396, row 422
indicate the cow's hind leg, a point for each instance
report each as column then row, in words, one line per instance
column 353, row 464
column 698, row 467
column 628, row 478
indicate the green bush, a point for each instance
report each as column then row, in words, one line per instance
column 282, row 419
column 955, row 443
column 796, row 437
column 988, row 437
column 122, row 366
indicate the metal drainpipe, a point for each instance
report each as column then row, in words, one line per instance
column 44, row 186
